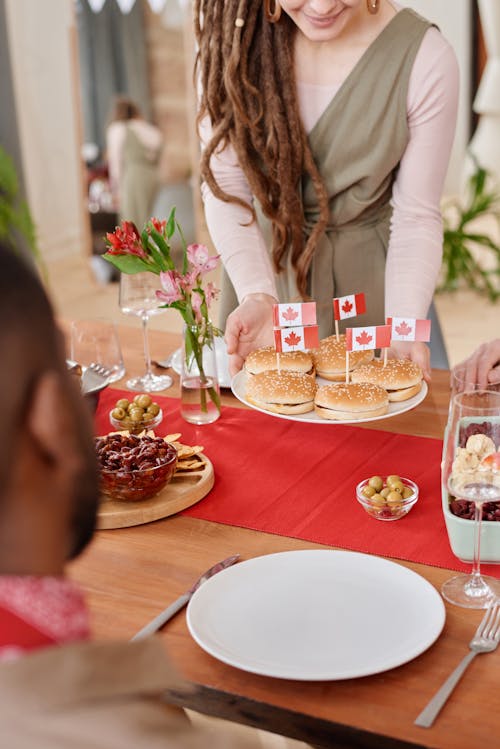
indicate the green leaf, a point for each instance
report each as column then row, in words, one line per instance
column 171, row 223
column 157, row 239
column 130, row 264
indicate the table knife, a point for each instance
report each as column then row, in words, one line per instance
column 155, row 624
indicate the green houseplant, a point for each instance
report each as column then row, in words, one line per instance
column 15, row 217
column 461, row 241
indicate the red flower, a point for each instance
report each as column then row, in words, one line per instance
column 125, row 240
column 159, row 225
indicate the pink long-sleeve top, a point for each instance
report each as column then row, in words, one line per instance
column 415, row 245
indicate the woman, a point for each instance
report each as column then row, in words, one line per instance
column 133, row 150
column 335, row 118
column 482, row 367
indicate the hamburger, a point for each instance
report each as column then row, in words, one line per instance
column 351, row 401
column 264, row 359
column 282, row 392
column 401, row 378
column 330, row 358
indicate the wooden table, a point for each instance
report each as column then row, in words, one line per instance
column 129, row 575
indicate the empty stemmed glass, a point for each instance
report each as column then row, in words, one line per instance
column 138, row 297
column 471, row 471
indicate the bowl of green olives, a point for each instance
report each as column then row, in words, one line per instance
column 387, row 497
column 136, row 415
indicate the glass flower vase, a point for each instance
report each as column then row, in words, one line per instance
column 200, row 392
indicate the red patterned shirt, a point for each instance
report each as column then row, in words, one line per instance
column 39, row 611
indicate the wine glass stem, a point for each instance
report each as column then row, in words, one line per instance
column 145, row 340
column 476, row 569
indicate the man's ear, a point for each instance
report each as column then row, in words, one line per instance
column 50, row 419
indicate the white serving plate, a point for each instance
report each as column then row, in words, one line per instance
column 221, row 357
column 238, row 386
column 316, row 615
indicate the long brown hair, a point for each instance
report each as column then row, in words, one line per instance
column 249, row 93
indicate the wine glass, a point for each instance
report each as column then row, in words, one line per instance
column 97, row 341
column 138, row 297
column 468, row 474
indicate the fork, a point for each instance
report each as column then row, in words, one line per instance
column 95, row 377
column 485, row 640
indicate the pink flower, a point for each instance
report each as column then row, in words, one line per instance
column 199, row 258
column 196, row 302
column 126, row 240
column 172, row 291
column 211, row 293
column 188, row 281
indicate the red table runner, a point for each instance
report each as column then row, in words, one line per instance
column 298, row 480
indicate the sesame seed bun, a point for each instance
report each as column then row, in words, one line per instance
column 401, row 378
column 352, row 401
column 329, row 359
column 282, row 392
column 264, row 359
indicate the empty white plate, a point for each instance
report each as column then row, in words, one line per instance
column 316, row 615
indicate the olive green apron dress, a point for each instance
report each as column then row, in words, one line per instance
column 139, row 180
column 357, row 143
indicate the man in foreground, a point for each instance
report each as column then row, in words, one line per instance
column 57, row 689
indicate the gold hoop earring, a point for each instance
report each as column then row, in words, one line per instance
column 372, row 6
column 273, row 16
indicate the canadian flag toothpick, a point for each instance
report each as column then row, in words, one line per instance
column 294, row 314
column 296, row 339
column 370, row 337
column 348, row 306
column 409, row 329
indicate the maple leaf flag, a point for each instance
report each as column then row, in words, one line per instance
column 409, row 329
column 373, row 336
column 296, row 339
column 348, row 306
column 294, row 314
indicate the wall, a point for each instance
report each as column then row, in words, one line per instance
column 41, row 39
column 454, row 20
column 169, row 94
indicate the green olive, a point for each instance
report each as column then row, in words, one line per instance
column 398, row 486
column 378, row 500
column 143, row 400
column 391, row 479
column 136, row 416
column 368, row 491
column 122, row 403
column 407, row 492
column 154, row 409
column 394, row 498
column 376, row 482
column 147, row 416
column 118, row 413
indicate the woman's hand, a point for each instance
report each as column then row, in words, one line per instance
column 250, row 326
column 417, row 352
column 482, row 368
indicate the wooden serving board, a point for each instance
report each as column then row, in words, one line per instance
column 185, row 489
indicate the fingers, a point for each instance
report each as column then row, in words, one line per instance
column 235, row 364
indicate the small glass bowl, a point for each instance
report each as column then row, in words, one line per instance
column 387, row 511
column 136, row 427
column 138, row 485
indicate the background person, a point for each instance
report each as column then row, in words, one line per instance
column 482, row 367
column 59, row 690
column 133, row 148
column 332, row 122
